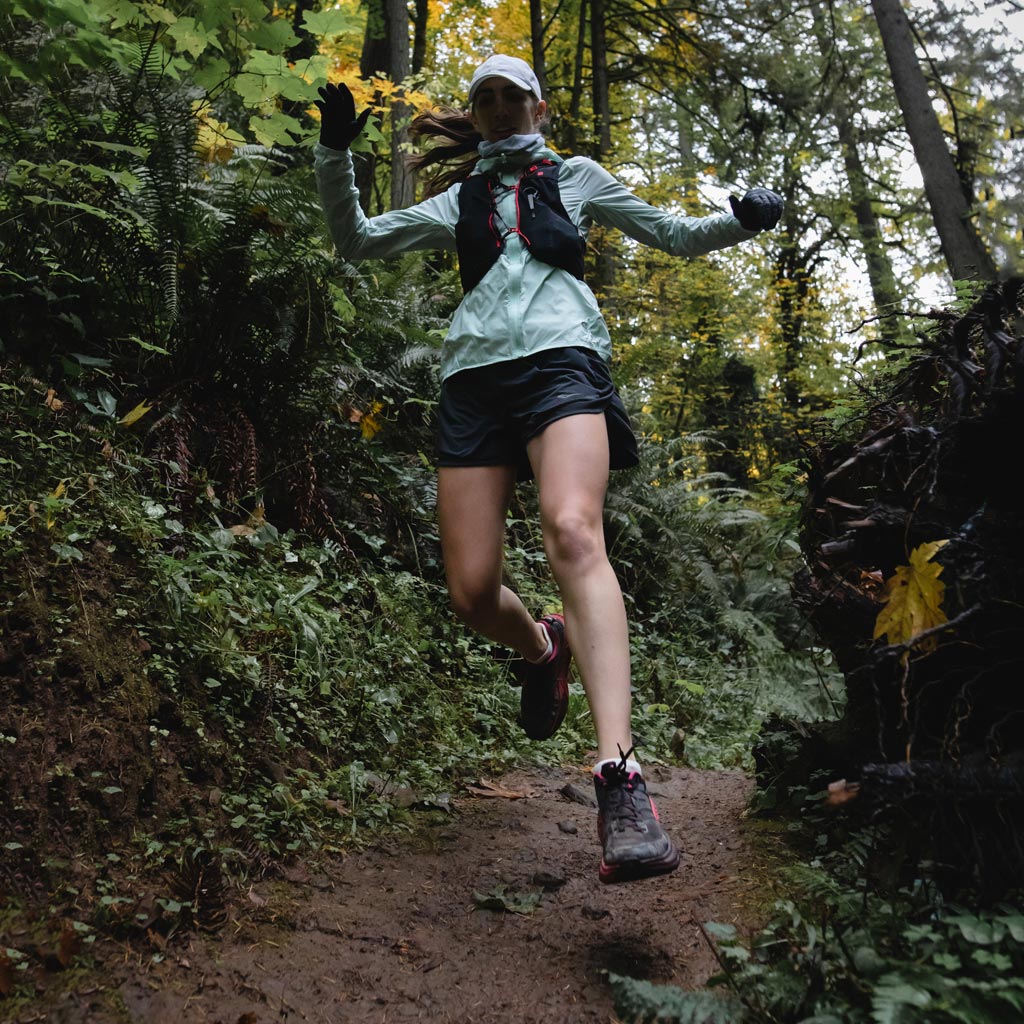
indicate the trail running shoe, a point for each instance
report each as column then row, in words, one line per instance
column 545, row 694
column 634, row 845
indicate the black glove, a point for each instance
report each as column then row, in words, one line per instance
column 759, row 210
column 339, row 125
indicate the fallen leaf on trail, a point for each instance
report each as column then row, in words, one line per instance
column 499, row 898
column 487, row 788
column 336, row 805
column 70, row 943
column 6, row 974
column 255, row 897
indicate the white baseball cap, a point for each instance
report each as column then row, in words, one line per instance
column 502, row 66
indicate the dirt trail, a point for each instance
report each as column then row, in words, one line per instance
column 398, row 933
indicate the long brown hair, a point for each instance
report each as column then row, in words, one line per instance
column 456, row 126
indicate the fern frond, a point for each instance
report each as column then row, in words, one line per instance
column 647, row 1003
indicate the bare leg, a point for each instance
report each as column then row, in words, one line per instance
column 472, row 503
column 570, row 460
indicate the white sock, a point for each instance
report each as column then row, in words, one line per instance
column 546, row 656
column 631, row 765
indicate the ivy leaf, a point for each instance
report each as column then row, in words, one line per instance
column 913, row 598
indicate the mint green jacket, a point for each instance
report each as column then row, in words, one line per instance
column 522, row 305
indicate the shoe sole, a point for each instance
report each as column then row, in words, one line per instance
column 549, row 726
column 633, row 871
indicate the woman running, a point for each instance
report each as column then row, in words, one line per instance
column 526, row 393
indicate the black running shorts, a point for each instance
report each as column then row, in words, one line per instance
column 488, row 413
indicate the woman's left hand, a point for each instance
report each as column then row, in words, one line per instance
column 339, row 126
column 759, row 210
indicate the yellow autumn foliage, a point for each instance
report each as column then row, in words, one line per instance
column 913, row 599
column 215, row 140
column 136, row 414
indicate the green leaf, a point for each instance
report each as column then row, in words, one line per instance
column 643, row 1001
column 214, row 74
column 275, row 35
column 891, row 995
column 189, row 36
column 117, row 147
column 329, row 23
column 158, row 14
column 275, row 130
column 66, row 551
column 974, row 929
column 119, row 12
column 499, row 898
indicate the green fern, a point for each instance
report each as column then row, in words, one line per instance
column 642, row 1002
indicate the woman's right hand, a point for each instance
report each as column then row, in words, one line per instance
column 339, row 126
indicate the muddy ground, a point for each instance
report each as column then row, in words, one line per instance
column 491, row 913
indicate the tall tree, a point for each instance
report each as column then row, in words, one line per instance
column 537, row 45
column 599, row 70
column 964, row 252
column 876, row 259
column 403, row 185
column 420, row 18
column 576, row 95
column 386, row 52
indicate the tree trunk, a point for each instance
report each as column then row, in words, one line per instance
column 372, row 61
column 386, row 52
column 599, row 67
column 403, row 185
column 537, row 45
column 963, row 250
column 576, row 99
column 419, row 45
column 876, row 259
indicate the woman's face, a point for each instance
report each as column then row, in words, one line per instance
column 501, row 108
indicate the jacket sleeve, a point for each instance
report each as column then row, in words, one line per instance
column 607, row 201
column 427, row 225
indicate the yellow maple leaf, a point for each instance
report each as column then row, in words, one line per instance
column 136, row 414
column 913, row 599
column 370, row 423
column 215, row 141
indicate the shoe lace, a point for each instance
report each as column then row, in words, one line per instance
column 624, row 810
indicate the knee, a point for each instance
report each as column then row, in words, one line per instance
column 474, row 605
column 574, row 542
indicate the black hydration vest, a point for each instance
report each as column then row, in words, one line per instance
column 541, row 222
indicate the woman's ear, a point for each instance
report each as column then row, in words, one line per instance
column 542, row 109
